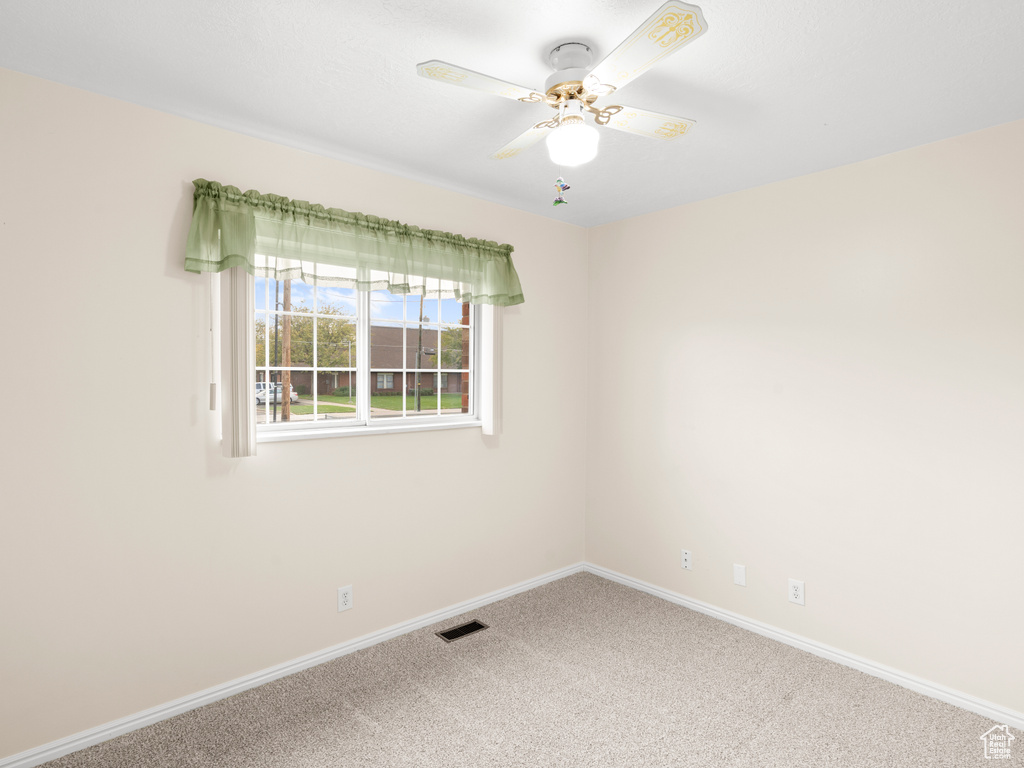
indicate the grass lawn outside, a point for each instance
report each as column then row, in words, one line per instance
column 335, row 399
column 302, row 410
column 394, row 402
column 449, row 401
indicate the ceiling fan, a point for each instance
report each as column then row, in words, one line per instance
column 574, row 89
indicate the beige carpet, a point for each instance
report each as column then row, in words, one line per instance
column 581, row 672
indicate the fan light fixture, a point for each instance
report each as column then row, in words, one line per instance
column 573, row 142
column 575, row 88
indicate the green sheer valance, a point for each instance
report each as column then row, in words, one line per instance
column 274, row 237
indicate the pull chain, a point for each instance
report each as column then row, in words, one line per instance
column 213, row 365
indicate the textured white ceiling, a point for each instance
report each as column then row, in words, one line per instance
column 778, row 89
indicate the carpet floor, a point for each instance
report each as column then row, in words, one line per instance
column 581, row 672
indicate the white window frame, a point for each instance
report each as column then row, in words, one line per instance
column 237, row 403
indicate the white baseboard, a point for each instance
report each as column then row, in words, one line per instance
column 55, row 749
column 934, row 690
column 101, row 733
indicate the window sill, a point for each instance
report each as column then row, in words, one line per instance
column 285, row 435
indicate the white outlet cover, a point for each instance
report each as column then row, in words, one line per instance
column 686, row 560
column 344, row 598
column 739, row 574
column 796, row 592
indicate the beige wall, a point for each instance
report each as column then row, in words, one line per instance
column 826, row 382
column 137, row 565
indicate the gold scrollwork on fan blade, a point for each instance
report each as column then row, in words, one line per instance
column 605, row 115
column 444, row 73
column 532, row 98
column 602, row 116
column 672, row 28
column 671, row 130
column 505, row 154
column 624, row 121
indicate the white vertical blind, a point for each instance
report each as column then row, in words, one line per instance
column 490, row 376
column 238, row 364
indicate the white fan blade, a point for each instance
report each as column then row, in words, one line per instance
column 646, row 123
column 467, row 78
column 524, row 140
column 670, row 28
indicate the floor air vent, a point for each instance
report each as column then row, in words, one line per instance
column 456, row 632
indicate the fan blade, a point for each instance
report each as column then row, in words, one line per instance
column 524, row 140
column 645, row 123
column 467, row 78
column 670, row 28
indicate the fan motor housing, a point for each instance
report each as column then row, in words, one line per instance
column 564, row 80
column 571, row 56
column 571, row 62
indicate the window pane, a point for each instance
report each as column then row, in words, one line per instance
column 336, row 396
column 335, row 343
column 386, row 345
column 273, row 339
column 412, row 308
column 419, row 308
column 421, row 341
column 301, row 298
column 420, row 400
column 302, row 383
column 423, row 404
column 296, row 340
column 454, row 312
column 451, row 398
column 261, row 339
column 273, row 298
column 385, row 395
column 454, row 351
column 338, row 302
column 261, row 387
column 385, row 305
column 290, row 335
column 272, row 402
column 284, row 295
column 261, row 293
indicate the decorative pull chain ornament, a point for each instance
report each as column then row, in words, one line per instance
column 560, row 189
column 574, row 88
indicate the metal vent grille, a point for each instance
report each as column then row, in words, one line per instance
column 461, row 631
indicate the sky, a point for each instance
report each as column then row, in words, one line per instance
column 384, row 305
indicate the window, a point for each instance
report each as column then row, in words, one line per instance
column 308, row 339
column 366, row 315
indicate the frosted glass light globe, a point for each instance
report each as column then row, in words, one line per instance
column 573, row 143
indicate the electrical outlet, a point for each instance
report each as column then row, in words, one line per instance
column 686, row 563
column 796, row 592
column 344, row 598
column 739, row 574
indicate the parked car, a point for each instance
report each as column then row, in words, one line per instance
column 263, row 389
